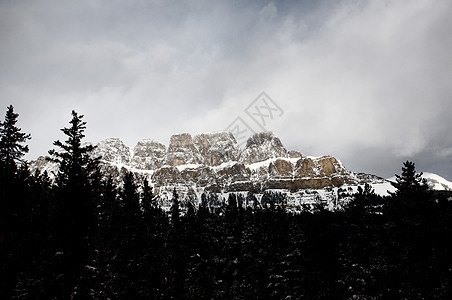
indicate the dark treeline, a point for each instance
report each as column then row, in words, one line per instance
column 81, row 236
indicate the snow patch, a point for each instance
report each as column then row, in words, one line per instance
column 256, row 166
column 181, row 168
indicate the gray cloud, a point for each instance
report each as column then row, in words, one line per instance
column 368, row 82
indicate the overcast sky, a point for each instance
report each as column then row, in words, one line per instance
column 369, row 82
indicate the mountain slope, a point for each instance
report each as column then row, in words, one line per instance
column 435, row 182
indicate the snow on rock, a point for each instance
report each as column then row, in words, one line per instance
column 182, row 150
column 383, row 188
column 188, row 166
column 437, row 182
column 148, row 155
column 217, row 148
column 266, row 163
column 113, row 150
column 43, row 164
column 262, row 146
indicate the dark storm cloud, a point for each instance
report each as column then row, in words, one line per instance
column 368, row 82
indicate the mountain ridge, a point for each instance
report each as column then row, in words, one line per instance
column 215, row 163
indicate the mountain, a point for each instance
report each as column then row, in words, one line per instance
column 435, row 182
column 215, row 163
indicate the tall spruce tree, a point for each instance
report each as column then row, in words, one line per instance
column 176, row 262
column 147, row 200
column 12, row 183
column 130, row 201
column 76, row 217
column 13, row 199
column 12, row 140
column 76, row 167
column 76, row 163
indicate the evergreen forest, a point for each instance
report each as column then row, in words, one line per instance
column 82, row 236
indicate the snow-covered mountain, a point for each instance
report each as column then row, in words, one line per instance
column 435, row 182
column 215, row 163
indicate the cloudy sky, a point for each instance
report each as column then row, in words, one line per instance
column 369, row 82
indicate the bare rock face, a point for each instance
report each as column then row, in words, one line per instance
column 263, row 146
column 113, row 151
column 306, row 167
column 280, row 168
column 319, row 167
column 165, row 175
column 201, row 176
column 148, row 155
column 330, row 166
column 305, row 183
column 234, row 173
column 182, row 151
column 217, row 148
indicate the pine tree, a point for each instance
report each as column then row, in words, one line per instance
column 251, row 199
column 411, row 188
column 409, row 182
column 76, row 208
column 361, row 205
column 130, row 198
column 76, row 163
column 130, row 210
column 128, row 261
column 76, row 167
column 154, row 253
column 176, row 262
column 175, row 209
column 203, row 206
column 14, row 197
column 110, row 218
column 147, row 199
column 108, row 206
column 231, row 208
column 11, row 140
column 12, row 184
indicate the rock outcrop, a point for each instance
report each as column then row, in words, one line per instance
column 263, row 146
column 148, row 155
column 113, row 150
column 217, row 148
column 182, row 151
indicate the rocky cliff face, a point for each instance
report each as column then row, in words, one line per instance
column 182, row 151
column 214, row 162
column 263, row 146
column 217, row 148
column 148, row 155
column 113, row 150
